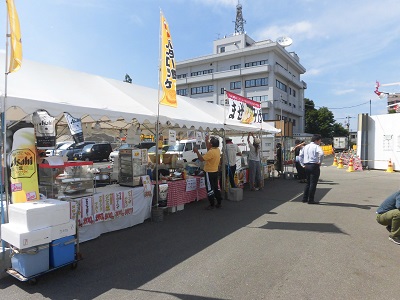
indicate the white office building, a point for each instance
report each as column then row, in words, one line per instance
column 262, row 71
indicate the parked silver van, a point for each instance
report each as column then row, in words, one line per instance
column 184, row 149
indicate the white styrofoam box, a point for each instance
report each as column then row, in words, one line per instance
column 63, row 230
column 235, row 194
column 180, row 207
column 22, row 238
column 39, row 214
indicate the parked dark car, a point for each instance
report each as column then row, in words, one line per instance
column 145, row 145
column 74, row 149
column 95, row 152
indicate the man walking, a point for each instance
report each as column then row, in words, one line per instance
column 311, row 157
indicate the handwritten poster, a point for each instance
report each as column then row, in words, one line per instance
column 191, row 184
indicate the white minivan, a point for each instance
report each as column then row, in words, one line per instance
column 184, row 149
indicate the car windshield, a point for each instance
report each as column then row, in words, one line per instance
column 59, row 145
column 153, row 149
column 65, row 146
column 177, row 147
column 85, row 148
column 125, row 146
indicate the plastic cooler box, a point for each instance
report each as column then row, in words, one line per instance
column 31, row 261
column 39, row 214
column 62, row 251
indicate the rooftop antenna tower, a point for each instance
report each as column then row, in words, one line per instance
column 239, row 23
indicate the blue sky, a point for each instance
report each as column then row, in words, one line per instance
column 345, row 46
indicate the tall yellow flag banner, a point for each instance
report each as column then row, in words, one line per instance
column 15, row 36
column 168, row 69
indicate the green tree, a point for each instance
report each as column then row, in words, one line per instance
column 339, row 130
column 318, row 120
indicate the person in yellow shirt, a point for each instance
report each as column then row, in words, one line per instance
column 211, row 159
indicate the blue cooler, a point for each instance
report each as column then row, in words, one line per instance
column 31, row 261
column 62, row 251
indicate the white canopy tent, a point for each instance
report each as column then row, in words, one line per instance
column 95, row 98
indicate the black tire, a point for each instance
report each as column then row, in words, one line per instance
column 74, row 265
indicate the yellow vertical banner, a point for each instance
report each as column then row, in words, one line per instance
column 168, row 68
column 15, row 36
column 23, row 168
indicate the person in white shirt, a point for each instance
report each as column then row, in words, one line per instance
column 230, row 152
column 254, row 161
column 311, row 157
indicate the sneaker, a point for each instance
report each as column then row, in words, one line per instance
column 312, row 202
column 210, row 207
column 395, row 240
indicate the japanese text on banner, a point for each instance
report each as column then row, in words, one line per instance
column 243, row 110
column 168, row 68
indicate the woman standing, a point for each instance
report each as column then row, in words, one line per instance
column 254, row 163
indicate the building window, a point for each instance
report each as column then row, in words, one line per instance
column 222, row 50
column 236, row 85
column 256, row 63
column 294, row 122
column 256, row 82
column 280, row 85
column 202, row 89
column 182, row 92
column 294, row 93
column 259, row 98
column 203, row 72
column 181, row 76
column 222, row 91
column 234, row 67
column 265, row 116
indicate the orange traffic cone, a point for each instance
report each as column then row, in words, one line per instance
column 390, row 167
column 350, row 169
column 334, row 161
column 340, row 165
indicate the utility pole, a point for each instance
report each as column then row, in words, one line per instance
column 348, row 130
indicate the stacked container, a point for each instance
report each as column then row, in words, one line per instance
column 37, row 232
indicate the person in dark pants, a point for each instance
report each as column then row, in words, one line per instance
column 211, row 159
column 301, row 174
column 278, row 154
column 310, row 158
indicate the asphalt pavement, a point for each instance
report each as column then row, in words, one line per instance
column 268, row 246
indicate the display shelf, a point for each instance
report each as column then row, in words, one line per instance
column 71, row 179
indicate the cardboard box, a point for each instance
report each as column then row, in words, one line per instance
column 31, row 261
column 39, row 214
column 63, row 230
column 22, row 238
column 62, row 251
column 235, row 194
